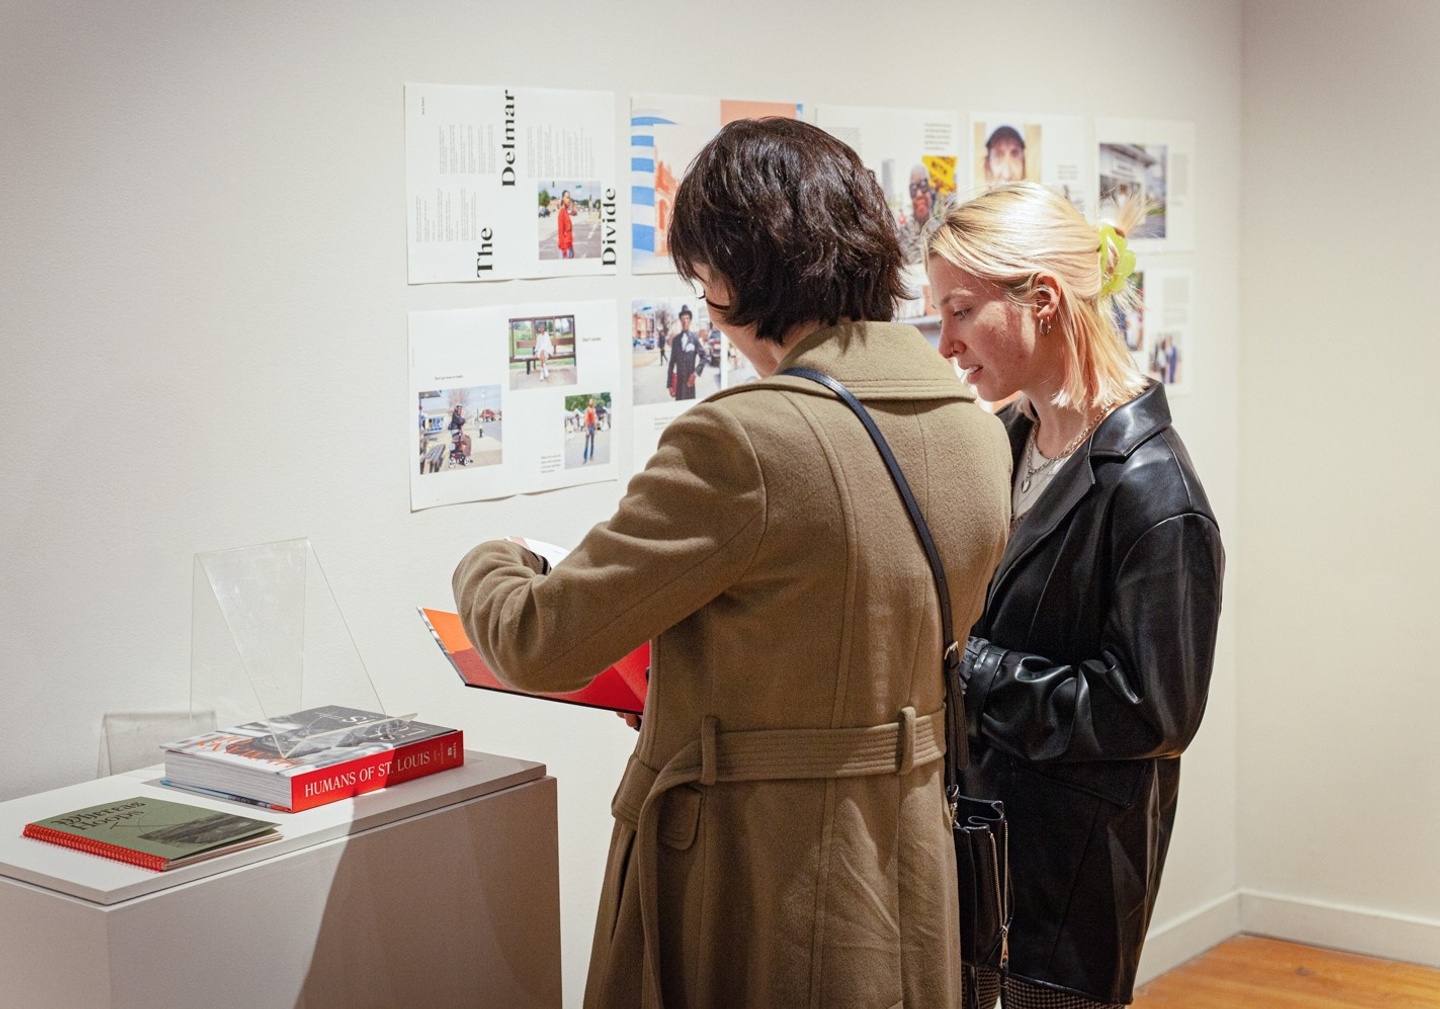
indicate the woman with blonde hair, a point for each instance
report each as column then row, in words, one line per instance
column 1087, row 673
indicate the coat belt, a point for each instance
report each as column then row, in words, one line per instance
column 760, row 755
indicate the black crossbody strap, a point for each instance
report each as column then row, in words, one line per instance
column 950, row 657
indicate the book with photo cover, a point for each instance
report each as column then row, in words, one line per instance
column 154, row 834
column 620, row 687
column 311, row 757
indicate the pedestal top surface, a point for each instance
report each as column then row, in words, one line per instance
column 102, row 880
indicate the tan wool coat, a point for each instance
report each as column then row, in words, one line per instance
column 780, row 835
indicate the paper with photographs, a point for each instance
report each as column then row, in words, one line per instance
column 1055, row 151
column 513, row 399
column 914, row 154
column 1155, row 159
column 1157, row 328
column 666, row 132
column 509, row 182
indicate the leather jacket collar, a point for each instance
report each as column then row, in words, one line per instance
column 1131, row 424
column 1124, row 430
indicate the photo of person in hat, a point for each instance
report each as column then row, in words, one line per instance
column 1004, row 156
column 658, row 326
column 687, row 358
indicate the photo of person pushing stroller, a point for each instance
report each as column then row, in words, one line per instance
column 460, row 428
column 460, row 444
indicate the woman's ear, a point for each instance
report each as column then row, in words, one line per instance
column 1045, row 296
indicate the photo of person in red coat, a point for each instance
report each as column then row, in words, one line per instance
column 568, row 224
column 565, row 237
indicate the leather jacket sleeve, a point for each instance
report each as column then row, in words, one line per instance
column 1143, row 693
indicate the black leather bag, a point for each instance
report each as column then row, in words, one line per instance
column 981, row 834
column 982, row 866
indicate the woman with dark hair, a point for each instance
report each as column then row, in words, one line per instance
column 780, row 832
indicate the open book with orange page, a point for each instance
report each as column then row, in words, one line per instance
column 620, row 687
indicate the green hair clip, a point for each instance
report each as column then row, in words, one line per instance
column 1124, row 261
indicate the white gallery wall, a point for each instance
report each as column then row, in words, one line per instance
column 1339, row 803
column 203, row 345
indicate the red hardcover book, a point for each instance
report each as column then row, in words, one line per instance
column 620, row 687
column 310, row 757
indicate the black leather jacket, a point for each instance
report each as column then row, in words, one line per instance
column 1085, row 679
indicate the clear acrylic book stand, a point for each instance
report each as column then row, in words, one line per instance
column 267, row 641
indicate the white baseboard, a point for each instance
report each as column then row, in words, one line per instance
column 1353, row 930
column 1169, row 945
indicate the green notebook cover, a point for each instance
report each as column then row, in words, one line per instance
column 152, row 833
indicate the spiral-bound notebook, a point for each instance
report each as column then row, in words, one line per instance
column 620, row 687
column 154, row 834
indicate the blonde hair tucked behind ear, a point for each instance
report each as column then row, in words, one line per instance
column 1016, row 231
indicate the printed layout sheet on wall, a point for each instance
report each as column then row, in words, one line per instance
column 677, row 358
column 1153, row 159
column 513, row 399
column 915, row 154
column 1157, row 327
column 666, row 132
column 1055, row 151
column 503, row 183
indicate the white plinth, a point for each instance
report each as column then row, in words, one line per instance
column 443, row 891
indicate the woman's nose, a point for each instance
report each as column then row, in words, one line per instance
column 949, row 345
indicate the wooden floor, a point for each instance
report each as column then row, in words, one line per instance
column 1249, row 972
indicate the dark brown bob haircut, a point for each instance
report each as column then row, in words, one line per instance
column 793, row 221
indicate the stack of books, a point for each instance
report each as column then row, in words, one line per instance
column 311, row 757
column 152, row 833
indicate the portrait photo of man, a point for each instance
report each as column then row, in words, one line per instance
column 1011, row 147
column 1004, row 156
column 922, row 202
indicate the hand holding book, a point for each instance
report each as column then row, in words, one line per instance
column 547, row 552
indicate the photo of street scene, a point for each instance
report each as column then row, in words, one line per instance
column 1138, row 169
column 674, row 351
column 588, row 418
column 460, row 428
column 542, row 352
column 569, row 216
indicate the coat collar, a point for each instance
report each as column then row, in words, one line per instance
column 875, row 361
column 1122, row 431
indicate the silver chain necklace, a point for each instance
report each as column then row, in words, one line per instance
column 1032, row 450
